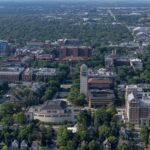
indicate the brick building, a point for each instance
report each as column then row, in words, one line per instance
column 74, row 53
column 97, row 86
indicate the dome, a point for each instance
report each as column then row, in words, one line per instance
column 138, row 29
column 84, row 67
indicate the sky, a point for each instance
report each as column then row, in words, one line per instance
column 77, row 0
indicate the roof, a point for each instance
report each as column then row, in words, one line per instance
column 131, row 97
column 72, row 58
column 99, row 81
column 75, row 47
column 33, row 43
column 11, row 70
column 102, row 72
column 54, row 105
column 44, row 56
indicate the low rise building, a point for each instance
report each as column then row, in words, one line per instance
column 113, row 61
column 55, row 111
column 11, row 74
column 136, row 63
column 24, row 145
column 44, row 57
column 44, row 73
column 33, row 74
column 35, row 45
column 15, row 145
column 28, row 75
column 69, row 42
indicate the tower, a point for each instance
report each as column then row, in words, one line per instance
column 84, row 79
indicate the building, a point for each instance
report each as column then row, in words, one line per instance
column 141, row 35
column 44, row 73
column 109, row 61
column 15, row 145
column 99, row 98
column 138, row 29
column 113, row 61
column 34, row 45
column 33, row 74
column 11, row 74
column 36, row 145
column 136, row 63
column 3, row 48
column 84, row 79
column 106, row 145
column 55, row 111
column 28, row 75
column 24, row 145
column 74, row 53
column 44, row 57
column 37, row 87
column 97, row 85
column 138, row 104
column 69, row 42
column 122, row 61
column 100, row 83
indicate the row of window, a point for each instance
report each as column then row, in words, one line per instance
column 51, row 115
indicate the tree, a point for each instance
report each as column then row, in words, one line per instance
column 71, row 145
column 23, row 133
column 7, row 108
column 84, row 118
column 93, row 145
column 126, row 145
column 48, row 94
column 101, row 117
column 111, row 109
column 113, row 140
column 49, row 133
column 104, row 132
column 75, row 97
column 84, row 136
column 63, row 135
column 43, row 148
column 5, row 147
column 144, row 135
column 123, row 146
column 19, row 118
column 63, row 148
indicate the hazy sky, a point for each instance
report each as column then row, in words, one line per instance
column 77, row 0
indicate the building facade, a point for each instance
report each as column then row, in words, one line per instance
column 138, row 104
column 84, row 79
column 55, row 111
column 74, row 53
column 3, row 47
column 97, row 86
column 11, row 74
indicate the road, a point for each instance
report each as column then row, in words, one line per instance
column 112, row 15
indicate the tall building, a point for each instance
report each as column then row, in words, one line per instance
column 97, row 86
column 138, row 104
column 84, row 79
